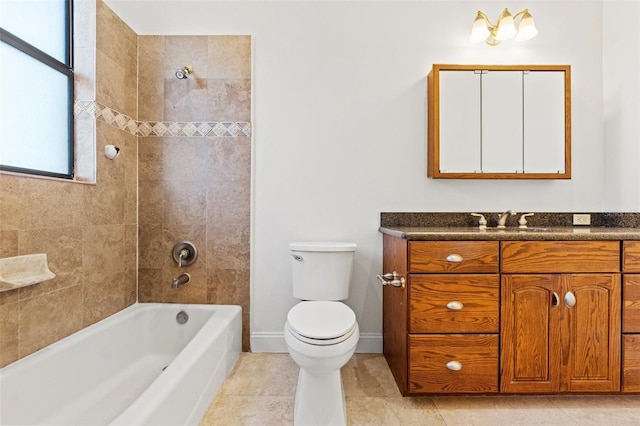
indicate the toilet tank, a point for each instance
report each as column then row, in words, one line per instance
column 321, row 270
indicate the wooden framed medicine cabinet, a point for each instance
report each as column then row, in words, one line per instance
column 499, row 122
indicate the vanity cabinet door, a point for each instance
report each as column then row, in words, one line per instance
column 530, row 355
column 560, row 333
column 592, row 332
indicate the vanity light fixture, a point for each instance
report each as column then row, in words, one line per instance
column 484, row 30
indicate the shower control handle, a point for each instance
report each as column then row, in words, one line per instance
column 184, row 253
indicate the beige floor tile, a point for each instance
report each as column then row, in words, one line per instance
column 500, row 410
column 388, row 411
column 261, row 391
column 230, row 410
column 368, row 375
column 262, row 375
column 601, row 409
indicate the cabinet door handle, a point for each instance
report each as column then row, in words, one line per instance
column 454, row 258
column 454, row 305
column 555, row 300
column 570, row 299
column 454, row 366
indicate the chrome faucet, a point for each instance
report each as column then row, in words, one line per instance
column 502, row 219
column 181, row 280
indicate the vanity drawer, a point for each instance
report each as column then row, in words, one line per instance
column 560, row 256
column 631, row 304
column 447, row 303
column 453, row 256
column 631, row 256
column 433, row 359
column 631, row 363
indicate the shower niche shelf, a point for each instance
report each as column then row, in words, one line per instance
column 21, row 271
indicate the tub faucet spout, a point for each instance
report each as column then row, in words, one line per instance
column 181, row 280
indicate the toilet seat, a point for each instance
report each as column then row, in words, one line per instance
column 321, row 322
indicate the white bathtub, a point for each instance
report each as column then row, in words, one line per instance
column 113, row 372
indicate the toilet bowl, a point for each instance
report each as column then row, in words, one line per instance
column 321, row 337
column 321, row 332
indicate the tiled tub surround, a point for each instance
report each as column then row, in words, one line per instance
column 91, row 232
column 194, row 184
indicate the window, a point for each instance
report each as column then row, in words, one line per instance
column 36, row 87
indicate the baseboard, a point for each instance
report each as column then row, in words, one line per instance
column 268, row 342
column 274, row 343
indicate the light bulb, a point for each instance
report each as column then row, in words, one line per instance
column 506, row 27
column 479, row 30
column 527, row 28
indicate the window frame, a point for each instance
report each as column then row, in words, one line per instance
column 67, row 70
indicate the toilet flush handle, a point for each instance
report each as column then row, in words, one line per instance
column 297, row 257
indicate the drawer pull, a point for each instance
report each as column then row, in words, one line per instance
column 454, row 366
column 454, row 305
column 454, row 258
column 570, row 299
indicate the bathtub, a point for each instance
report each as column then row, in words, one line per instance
column 136, row 367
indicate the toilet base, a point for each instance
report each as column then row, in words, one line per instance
column 319, row 399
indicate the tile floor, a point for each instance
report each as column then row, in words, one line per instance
column 261, row 389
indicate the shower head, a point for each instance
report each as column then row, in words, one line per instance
column 182, row 73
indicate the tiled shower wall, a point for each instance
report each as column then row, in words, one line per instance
column 192, row 187
column 88, row 231
column 195, row 188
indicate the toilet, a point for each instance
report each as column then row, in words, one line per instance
column 321, row 332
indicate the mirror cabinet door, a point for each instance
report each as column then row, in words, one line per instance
column 544, row 122
column 460, row 122
column 499, row 122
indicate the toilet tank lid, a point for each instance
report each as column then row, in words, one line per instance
column 323, row 246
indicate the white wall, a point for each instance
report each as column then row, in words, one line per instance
column 339, row 124
column 621, row 69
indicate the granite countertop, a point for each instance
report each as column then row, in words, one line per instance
column 541, row 226
column 425, row 233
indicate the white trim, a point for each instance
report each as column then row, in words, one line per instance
column 274, row 343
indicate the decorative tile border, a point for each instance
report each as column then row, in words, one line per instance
column 92, row 110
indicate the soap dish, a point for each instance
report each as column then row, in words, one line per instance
column 20, row 271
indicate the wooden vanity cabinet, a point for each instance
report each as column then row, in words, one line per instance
column 631, row 316
column 513, row 329
column 440, row 333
